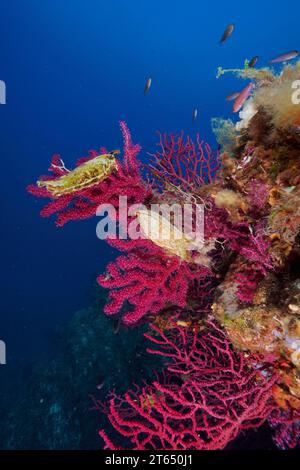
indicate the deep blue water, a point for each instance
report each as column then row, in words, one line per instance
column 73, row 69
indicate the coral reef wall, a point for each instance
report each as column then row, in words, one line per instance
column 224, row 314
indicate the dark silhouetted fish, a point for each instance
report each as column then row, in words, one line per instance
column 227, row 33
column 116, row 325
column 253, row 61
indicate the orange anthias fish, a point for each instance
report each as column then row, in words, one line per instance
column 243, row 95
column 283, row 57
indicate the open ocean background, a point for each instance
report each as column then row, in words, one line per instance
column 73, row 69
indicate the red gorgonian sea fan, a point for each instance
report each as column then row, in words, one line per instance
column 207, row 395
column 258, row 263
column 286, row 427
column 183, row 163
column 146, row 279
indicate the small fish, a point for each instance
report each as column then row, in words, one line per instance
column 195, row 113
column 233, row 96
column 243, row 95
column 283, row 57
column 147, row 86
column 100, row 385
column 116, row 325
column 227, row 33
column 253, row 61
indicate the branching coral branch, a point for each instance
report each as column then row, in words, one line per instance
column 286, row 425
column 207, row 395
column 147, row 279
column 183, row 163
